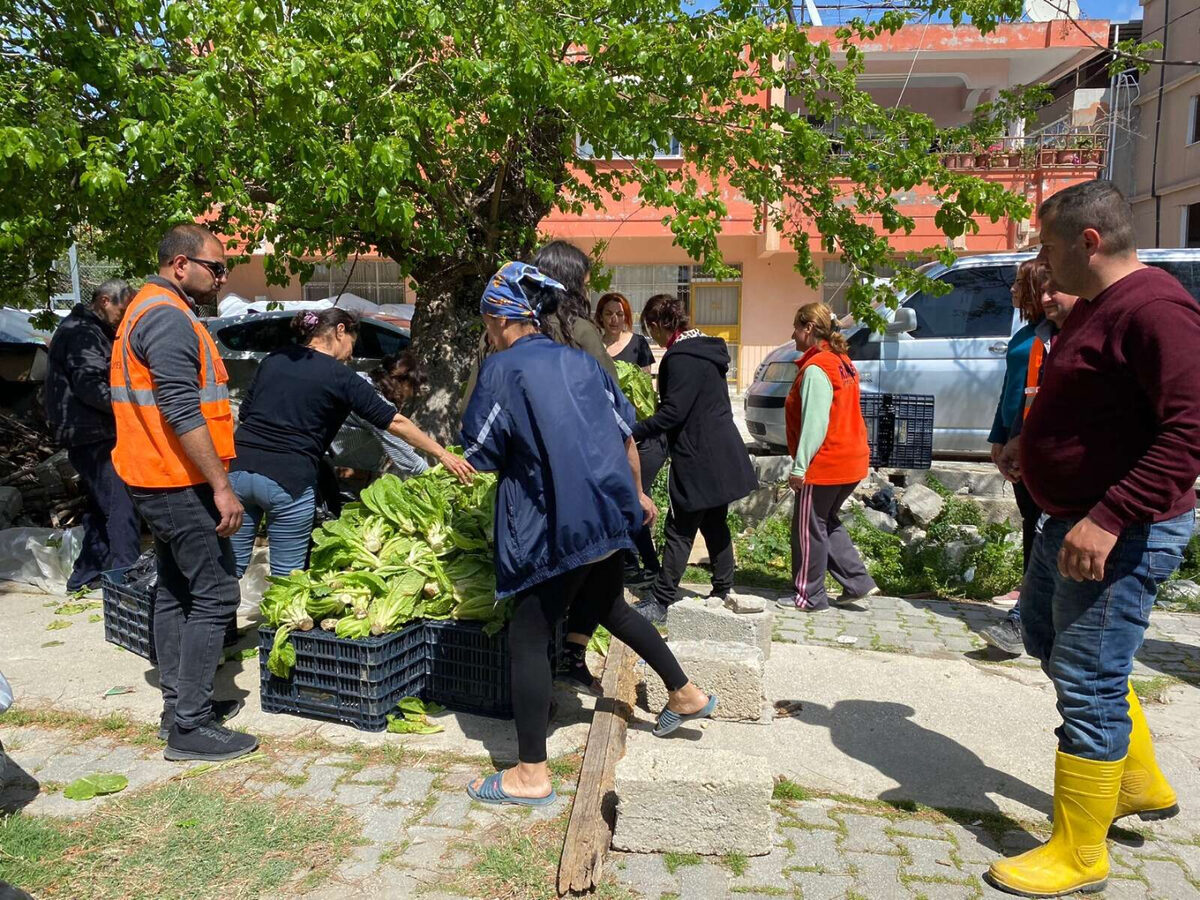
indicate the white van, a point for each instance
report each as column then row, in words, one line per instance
column 951, row 346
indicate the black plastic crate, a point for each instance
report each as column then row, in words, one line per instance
column 899, row 429
column 355, row 682
column 129, row 616
column 469, row 671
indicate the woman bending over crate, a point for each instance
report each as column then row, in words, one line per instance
column 827, row 439
column 557, row 430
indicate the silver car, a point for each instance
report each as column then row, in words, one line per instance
column 952, row 346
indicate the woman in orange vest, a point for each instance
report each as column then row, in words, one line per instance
column 827, row 439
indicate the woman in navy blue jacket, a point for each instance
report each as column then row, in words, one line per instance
column 557, row 430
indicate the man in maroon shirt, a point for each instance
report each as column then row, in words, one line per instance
column 1110, row 450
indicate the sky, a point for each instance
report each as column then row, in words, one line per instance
column 1113, row 10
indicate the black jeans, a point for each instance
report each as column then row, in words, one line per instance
column 679, row 536
column 600, row 586
column 197, row 596
column 112, row 534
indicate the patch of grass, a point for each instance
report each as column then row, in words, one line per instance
column 669, row 895
column 50, row 787
column 178, row 840
column 697, row 575
column 515, row 862
column 786, row 789
column 566, row 766
column 83, row 727
column 768, row 890
column 676, row 861
column 294, row 780
column 1154, row 689
column 735, row 863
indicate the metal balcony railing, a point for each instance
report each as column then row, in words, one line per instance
column 1083, row 148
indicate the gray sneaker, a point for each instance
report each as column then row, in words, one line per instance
column 208, row 742
column 1005, row 636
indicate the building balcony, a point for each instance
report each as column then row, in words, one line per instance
column 1082, row 149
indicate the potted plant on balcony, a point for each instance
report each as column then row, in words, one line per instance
column 1090, row 153
column 983, row 158
column 1029, row 156
column 1013, row 155
column 1066, row 153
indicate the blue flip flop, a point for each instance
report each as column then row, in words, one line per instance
column 491, row 792
column 669, row 720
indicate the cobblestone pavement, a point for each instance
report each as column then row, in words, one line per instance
column 942, row 628
column 421, row 833
column 826, row 849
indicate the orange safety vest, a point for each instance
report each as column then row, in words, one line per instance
column 845, row 455
column 1033, row 373
column 148, row 453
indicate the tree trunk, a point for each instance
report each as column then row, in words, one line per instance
column 445, row 334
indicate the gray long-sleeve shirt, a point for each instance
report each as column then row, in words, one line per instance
column 165, row 340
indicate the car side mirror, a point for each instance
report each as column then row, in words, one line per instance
column 904, row 321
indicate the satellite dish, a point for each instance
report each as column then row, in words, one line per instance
column 1050, row 10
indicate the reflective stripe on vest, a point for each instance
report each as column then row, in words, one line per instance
column 148, row 452
column 1033, row 372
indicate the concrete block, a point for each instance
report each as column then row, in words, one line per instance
column 1000, row 509
column 772, row 469
column 745, row 603
column 673, row 796
column 920, row 505
column 880, row 520
column 733, row 671
column 698, row 620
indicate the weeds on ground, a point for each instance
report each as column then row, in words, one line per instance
column 1154, row 689
column 786, row 789
column 178, row 840
column 676, row 861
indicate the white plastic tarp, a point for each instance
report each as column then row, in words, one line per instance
column 15, row 327
column 235, row 305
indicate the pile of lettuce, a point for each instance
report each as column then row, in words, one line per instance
column 415, row 549
column 638, row 387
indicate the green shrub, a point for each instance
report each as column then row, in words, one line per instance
column 1190, row 568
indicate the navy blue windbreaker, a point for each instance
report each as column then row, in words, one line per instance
column 553, row 425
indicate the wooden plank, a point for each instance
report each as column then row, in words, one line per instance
column 590, row 829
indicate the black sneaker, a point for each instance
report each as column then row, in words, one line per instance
column 1005, row 636
column 574, row 673
column 718, row 595
column 223, row 711
column 651, row 610
column 208, row 742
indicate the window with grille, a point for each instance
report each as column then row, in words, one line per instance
column 584, row 150
column 640, row 283
column 377, row 280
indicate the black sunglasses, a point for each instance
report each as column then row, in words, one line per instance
column 219, row 270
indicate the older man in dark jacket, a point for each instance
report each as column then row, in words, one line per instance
column 79, row 409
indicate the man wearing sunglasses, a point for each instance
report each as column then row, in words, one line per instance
column 174, row 444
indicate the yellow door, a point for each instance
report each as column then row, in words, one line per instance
column 716, row 310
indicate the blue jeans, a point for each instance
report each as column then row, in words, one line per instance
column 1086, row 633
column 289, row 522
column 112, row 531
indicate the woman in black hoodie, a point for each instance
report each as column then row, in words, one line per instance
column 710, row 467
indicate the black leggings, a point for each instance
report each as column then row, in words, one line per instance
column 600, row 585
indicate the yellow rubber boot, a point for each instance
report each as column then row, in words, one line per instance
column 1076, row 856
column 1144, row 789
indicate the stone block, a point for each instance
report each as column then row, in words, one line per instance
column 699, row 620
column 772, row 469
column 745, row 603
column 910, row 534
column 987, row 484
column 920, row 505
column 758, row 505
column 676, row 797
column 734, row 672
column 999, row 509
column 880, row 520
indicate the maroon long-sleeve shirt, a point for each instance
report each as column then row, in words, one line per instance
column 1114, row 433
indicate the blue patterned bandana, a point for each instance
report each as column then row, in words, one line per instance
column 505, row 296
